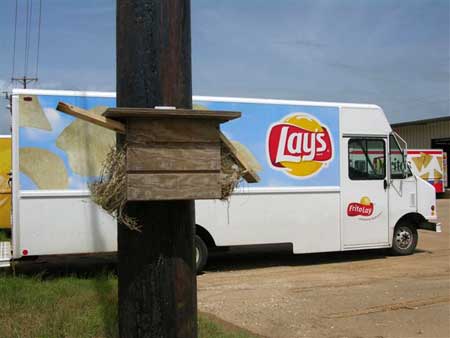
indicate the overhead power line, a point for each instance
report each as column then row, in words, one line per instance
column 38, row 39
column 15, row 39
column 27, row 36
column 30, row 26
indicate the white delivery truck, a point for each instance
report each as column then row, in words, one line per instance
column 326, row 179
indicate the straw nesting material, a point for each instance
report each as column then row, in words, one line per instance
column 231, row 173
column 110, row 190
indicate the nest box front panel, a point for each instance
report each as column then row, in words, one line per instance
column 173, row 186
column 172, row 159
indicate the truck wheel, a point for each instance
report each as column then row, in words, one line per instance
column 405, row 240
column 201, row 253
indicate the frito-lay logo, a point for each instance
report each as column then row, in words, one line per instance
column 363, row 208
column 299, row 145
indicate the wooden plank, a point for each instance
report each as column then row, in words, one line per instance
column 249, row 175
column 125, row 113
column 187, row 157
column 168, row 130
column 179, row 186
column 91, row 117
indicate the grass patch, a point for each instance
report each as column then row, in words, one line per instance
column 63, row 307
column 209, row 328
column 72, row 307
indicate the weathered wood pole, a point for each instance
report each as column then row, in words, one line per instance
column 157, row 281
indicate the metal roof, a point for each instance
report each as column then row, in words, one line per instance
column 411, row 123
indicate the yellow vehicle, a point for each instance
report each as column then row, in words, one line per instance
column 5, row 184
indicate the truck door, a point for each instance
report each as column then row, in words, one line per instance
column 364, row 192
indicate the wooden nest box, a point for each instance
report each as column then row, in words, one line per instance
column 172, row 154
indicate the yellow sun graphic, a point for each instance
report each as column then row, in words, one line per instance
column 303, row 168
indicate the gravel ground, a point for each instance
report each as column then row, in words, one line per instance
column 355, row 294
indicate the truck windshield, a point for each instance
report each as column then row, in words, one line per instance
column 399, row 168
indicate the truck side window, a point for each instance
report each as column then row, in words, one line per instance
column 367, row 159
column 398, row 166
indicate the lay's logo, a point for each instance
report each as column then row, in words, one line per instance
column 300, row 145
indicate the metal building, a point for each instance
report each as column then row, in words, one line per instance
column 426, row 134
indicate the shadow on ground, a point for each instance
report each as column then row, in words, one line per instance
column 237, row 258
column 241, row 258
column 82, row 266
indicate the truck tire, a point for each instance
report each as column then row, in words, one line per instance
column 201, row 253
column 405, row 240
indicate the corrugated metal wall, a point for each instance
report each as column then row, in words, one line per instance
column 420, row 135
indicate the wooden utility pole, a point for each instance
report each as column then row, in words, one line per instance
column 24, row 80
column 157, row 281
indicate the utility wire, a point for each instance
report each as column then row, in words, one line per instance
column 38, row 39
column 14, row 44
column 27, row 35
column 30, row 22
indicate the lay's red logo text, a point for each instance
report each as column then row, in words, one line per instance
column 300, row 145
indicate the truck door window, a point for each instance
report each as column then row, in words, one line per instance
column 367, row 159
column 398, row 165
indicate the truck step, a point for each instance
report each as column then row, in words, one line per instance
column 5, row 254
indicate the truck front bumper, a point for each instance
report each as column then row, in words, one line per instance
column 426, row 225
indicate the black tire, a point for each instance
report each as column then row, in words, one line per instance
column 405, row 240
column 201, row 254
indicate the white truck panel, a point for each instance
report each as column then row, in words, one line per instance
column 56, row 223
column 402, row 200
column 364, row 121
column 308, row 220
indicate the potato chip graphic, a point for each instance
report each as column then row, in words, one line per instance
column 43, row 167
column 4, row 188
column 418, row 161
column 31, row 113
column 437, row 175
column 244, row 152
column 86, row 145
column 4, row 200
column 365, row 200
column 426, row 159
column 5, row 210
column 425, row 176
column 199, row 107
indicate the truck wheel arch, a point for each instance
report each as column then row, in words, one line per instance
column 411, row 221
column 413, row 218
column 205, row 236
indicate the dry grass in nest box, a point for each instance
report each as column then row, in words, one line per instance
column 110, row 190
